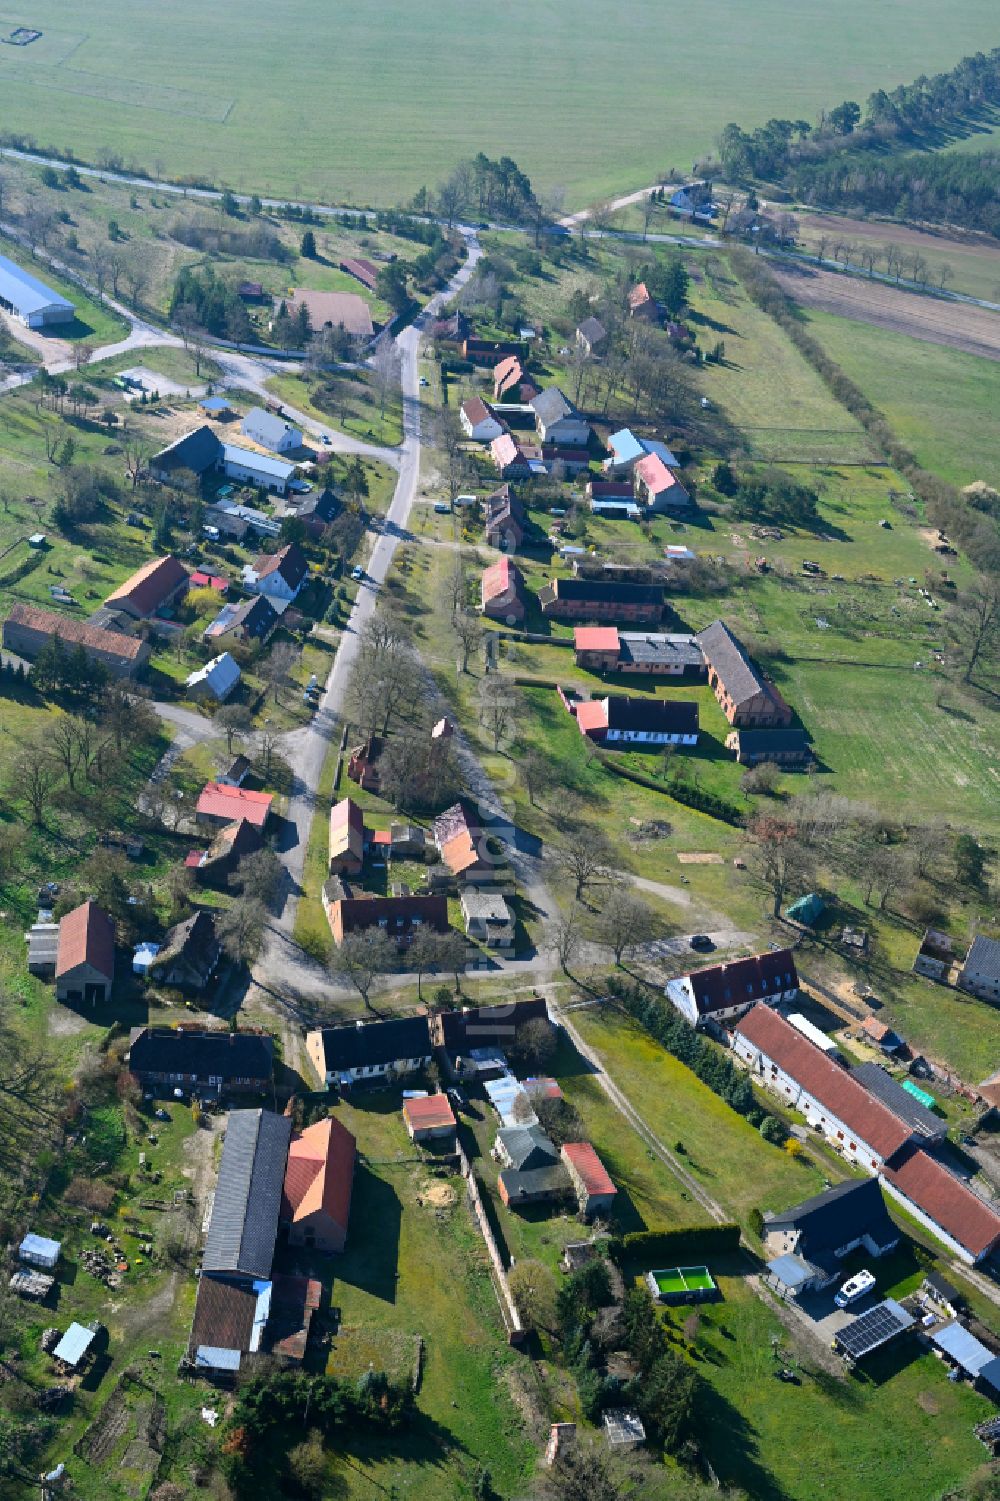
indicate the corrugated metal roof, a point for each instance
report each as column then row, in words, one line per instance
column 249, row 458
column 74, row 1344
column 244, row 1223
column 964, row 1348
column 25, row 292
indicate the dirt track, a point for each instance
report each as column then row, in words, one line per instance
column 933, row 319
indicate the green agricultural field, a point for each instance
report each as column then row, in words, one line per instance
column 377, row 103
column 941, row 402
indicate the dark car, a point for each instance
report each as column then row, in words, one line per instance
column 701, row 941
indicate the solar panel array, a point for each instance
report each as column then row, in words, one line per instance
column 872, row 1329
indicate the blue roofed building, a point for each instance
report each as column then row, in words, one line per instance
column 626, row 450
column 29, row 300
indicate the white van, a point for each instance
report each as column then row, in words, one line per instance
column 854, row 1288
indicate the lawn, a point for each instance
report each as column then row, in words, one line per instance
column 939, row 401
column 897, row 1428
column 171, row 92
column 725, row 1154
column 409, row 1270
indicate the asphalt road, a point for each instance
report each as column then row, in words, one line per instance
column 283, row 969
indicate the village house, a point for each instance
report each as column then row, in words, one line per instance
column 642, row 304
column 508, row 377
column 271, row 431
column 722, row 993
column 279, row 575
column 497, row 1027
column 232, row 519
column 189, row 955
column 429, row 1118
column 557, row 421
column 502, row 591
column 317, row 509
column 214, row 866
column 569, row 462
column 504, row 520
column 935, row 956
column 253, row 619
column 591, row 335
column 203, row 450
column 213, row 581
column 462, row 844
column 488, row 919
column 638, row 723
column 779, row 747
column 487, row 352
column 362, row 763
column 852, row 1120
column 980, row 973
column 945, row 1205
column 369, row 1051
column 807, row 1244
column 236, row 772
column 625, row 450
column 603, row 649
column 600, row 599
column 746, row 698
column 531, row 1172
column 516, row 458
column 478, row 422
column 595, row 1192
column 215, row 681
column 219, row 804
column 400, row 918
column 200, row 1060
column 657, row 488
column 347, row 838
column 151, row 590
column 85, row 959
column 317, row 1188
column 29, row 629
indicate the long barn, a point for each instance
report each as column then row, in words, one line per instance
column 29, row 300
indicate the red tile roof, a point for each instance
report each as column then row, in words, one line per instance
column 946, row 1200
column 319, row 1174
column 719, row 986
column 220, row 801
column 86, row 936
column 73, row 632
column 596, row 638
column 581, row 1156
column 639, row 296
column 361, row 269
column 425, row 1114
column 592, row 714
column 215, row 581
column 476, row 410
column 150, row 586
column 347, row 829
column 499, row 578
column 875, row 1029
column 655, row 475
column 826, row 1081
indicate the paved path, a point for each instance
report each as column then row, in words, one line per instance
column 283, row 970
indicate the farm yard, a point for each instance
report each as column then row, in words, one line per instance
column 171, row 93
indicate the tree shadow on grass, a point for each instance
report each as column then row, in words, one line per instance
column 730, row 1442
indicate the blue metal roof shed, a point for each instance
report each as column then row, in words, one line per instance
column 965, row 1349
column 38, row 1250
column 29, row 299
column 74, row 1344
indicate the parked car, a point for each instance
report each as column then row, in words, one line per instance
column 700, row 941
column 854, row 1288
column 357, row 572
column 327, row 439
column 442, row 507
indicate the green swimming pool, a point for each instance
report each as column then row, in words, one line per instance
column 681, row 1283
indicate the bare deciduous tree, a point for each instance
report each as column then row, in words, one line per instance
column 778, row 858
column 624, row 923
column 240, row 930
column 586, row 855
column 362, row 958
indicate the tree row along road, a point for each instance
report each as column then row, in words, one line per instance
column 283, row 967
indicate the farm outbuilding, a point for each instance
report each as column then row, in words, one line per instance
column 29, row 300
column 38, row 1250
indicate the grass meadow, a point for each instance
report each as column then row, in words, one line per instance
column 376, row 108
column 941, row 402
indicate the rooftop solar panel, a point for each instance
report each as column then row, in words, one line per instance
column 870, row 1330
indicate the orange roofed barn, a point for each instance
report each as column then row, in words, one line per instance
column 85, row 963
column 319, row 1177
column 221, row 804
column 151, row 588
